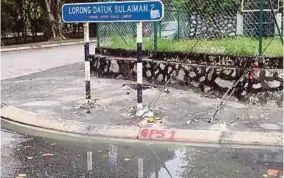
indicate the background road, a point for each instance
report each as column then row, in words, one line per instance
column 17, row 63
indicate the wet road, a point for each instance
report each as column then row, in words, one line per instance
column 40, row 157
column 18, row 63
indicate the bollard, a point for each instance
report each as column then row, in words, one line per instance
column 139, row 66
column 87, row 63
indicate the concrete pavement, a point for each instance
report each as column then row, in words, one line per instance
column 53, row 98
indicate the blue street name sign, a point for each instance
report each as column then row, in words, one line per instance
column 119, row 11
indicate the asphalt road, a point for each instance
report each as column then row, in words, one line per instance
column 40, row 157
column 20, row 63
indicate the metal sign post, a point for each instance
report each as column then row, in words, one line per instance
column 139, row 66
column 87, row 63
column 118, row 11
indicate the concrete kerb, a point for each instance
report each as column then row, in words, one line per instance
column 42, row 46
column 23, row 118
column 32, row 119
column 210, row 136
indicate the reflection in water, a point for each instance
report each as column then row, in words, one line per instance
column 38, row 157
column 112, row 156
column 89, row 160
column 231, row 162
column 63, row 159
column 172, row 168
column 140, row 168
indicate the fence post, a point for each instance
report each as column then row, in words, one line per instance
column 278, row 22
column 160, row 29
column 98, row 36
column 240, row 24
column 260, row 27
column 178, row 25
column 276, row 19
column 134, row 30
column 155, row 36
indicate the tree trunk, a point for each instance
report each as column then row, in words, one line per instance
column 56, row 27
column 51, row 19
column 60, row 24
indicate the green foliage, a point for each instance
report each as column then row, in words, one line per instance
column 26, row 17
column 21, row 16
column 230, row 46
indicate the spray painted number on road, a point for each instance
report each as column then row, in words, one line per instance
column 148, row 133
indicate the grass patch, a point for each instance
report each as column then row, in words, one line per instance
column 230, row 46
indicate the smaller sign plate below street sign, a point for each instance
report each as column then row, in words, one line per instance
column 118, row 11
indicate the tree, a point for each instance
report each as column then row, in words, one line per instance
column 54, row 20
column 21, row 17
column 7, row 20
column 12, row 15
column 24, row 17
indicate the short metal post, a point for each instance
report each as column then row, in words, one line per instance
column 155, row 35
column 134, row 30
column 178, row 20
column 260, row 27
column 160, row 29
column 98, row 36
column 278, row 24
column 240, row 24
column 87, row 63
column 139, row 66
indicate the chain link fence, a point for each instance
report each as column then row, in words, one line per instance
column 205, row 26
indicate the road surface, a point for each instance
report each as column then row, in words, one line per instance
column 19, row 63
column 39, row 157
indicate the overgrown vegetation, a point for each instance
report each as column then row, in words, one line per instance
column 231, row 46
